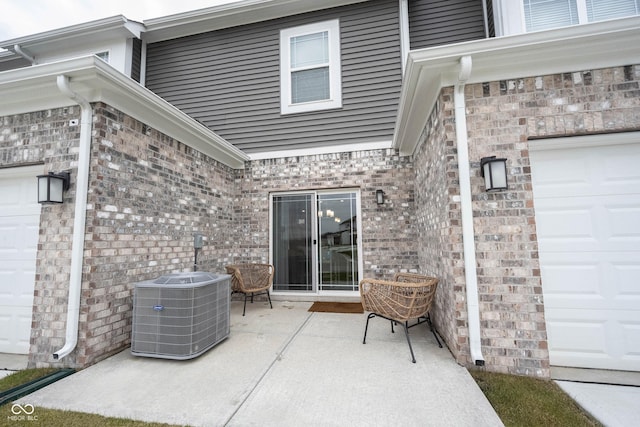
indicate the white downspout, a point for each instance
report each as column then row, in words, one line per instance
column 404, row 33
column 486, row 18
column 471, row 276
column 17, row 49
column 143, row 64
column 80, row 214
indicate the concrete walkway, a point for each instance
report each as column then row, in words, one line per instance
column 285, row 367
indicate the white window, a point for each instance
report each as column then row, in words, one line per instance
column 310, row 67
column 599, row 10
column 535, row 15
column 546, row 14
column 103, row 55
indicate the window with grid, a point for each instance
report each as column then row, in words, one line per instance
column 547, row 14
column 310, row 67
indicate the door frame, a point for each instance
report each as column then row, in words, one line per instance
column 316, row 292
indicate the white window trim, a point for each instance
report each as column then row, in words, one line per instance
column 335, row 84
column 509, row 16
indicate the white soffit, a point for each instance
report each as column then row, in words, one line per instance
column 582, row 47
column 34, row 88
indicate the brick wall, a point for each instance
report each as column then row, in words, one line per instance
column 148, row 194
column 388, row 235
column 501, row 118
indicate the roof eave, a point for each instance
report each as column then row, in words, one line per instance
column 231, row 15
column 116, row 25
column 34, row 89
column 584, row 47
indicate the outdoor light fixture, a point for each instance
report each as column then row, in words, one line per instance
column 380, row 197
column 494, row 172
column 51, row 187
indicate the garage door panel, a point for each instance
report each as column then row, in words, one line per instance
column 582, row 224
column 587, row 207
column 561, row 171
column 589, row 303
column 571, row 280
column 631, row 340
column 19, row 194
column 19, row 226
column 624, row 222
column 18, row 241
column 572, row 334
column 15, row 331
column 609, row 169
column 16, row 293
column 604, row 340
column 594, row 361
column 626, row 276
column 619, row 168
column 592, row 281
column 569, row 228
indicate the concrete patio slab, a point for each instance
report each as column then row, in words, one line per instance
column 285, row 367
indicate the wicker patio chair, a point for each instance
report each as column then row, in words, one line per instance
column 407, row 297
column 250, row 280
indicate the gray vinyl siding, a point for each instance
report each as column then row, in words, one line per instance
column 230, row 80
column 136, row 56
column 441, row 22
column 12, row 64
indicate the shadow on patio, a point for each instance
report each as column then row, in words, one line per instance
column 285, row 367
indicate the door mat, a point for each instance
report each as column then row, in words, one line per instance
column 337, row 307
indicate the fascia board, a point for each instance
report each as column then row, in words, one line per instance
column 230, row 15
column 34, row 89
column 584, row 47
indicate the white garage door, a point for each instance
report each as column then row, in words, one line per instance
column 19, row 225
column 587, row 202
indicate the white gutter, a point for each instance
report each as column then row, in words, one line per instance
column 17, row 49
column 80, row 213
column 470, row 272
column 486, row 19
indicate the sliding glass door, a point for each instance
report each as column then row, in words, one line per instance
column 314, row 242
column 292, row 240
column 338, row 251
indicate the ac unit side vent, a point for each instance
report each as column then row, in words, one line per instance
column 180, row 316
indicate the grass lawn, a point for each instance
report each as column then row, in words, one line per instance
column 518, row 400
column 526, row 401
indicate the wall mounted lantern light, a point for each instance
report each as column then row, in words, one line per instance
column 494, row 172
column 51, row 187
column 380, row 197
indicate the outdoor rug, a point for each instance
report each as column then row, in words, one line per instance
column 337, row 307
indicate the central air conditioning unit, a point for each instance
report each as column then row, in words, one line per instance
column 180, row 315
